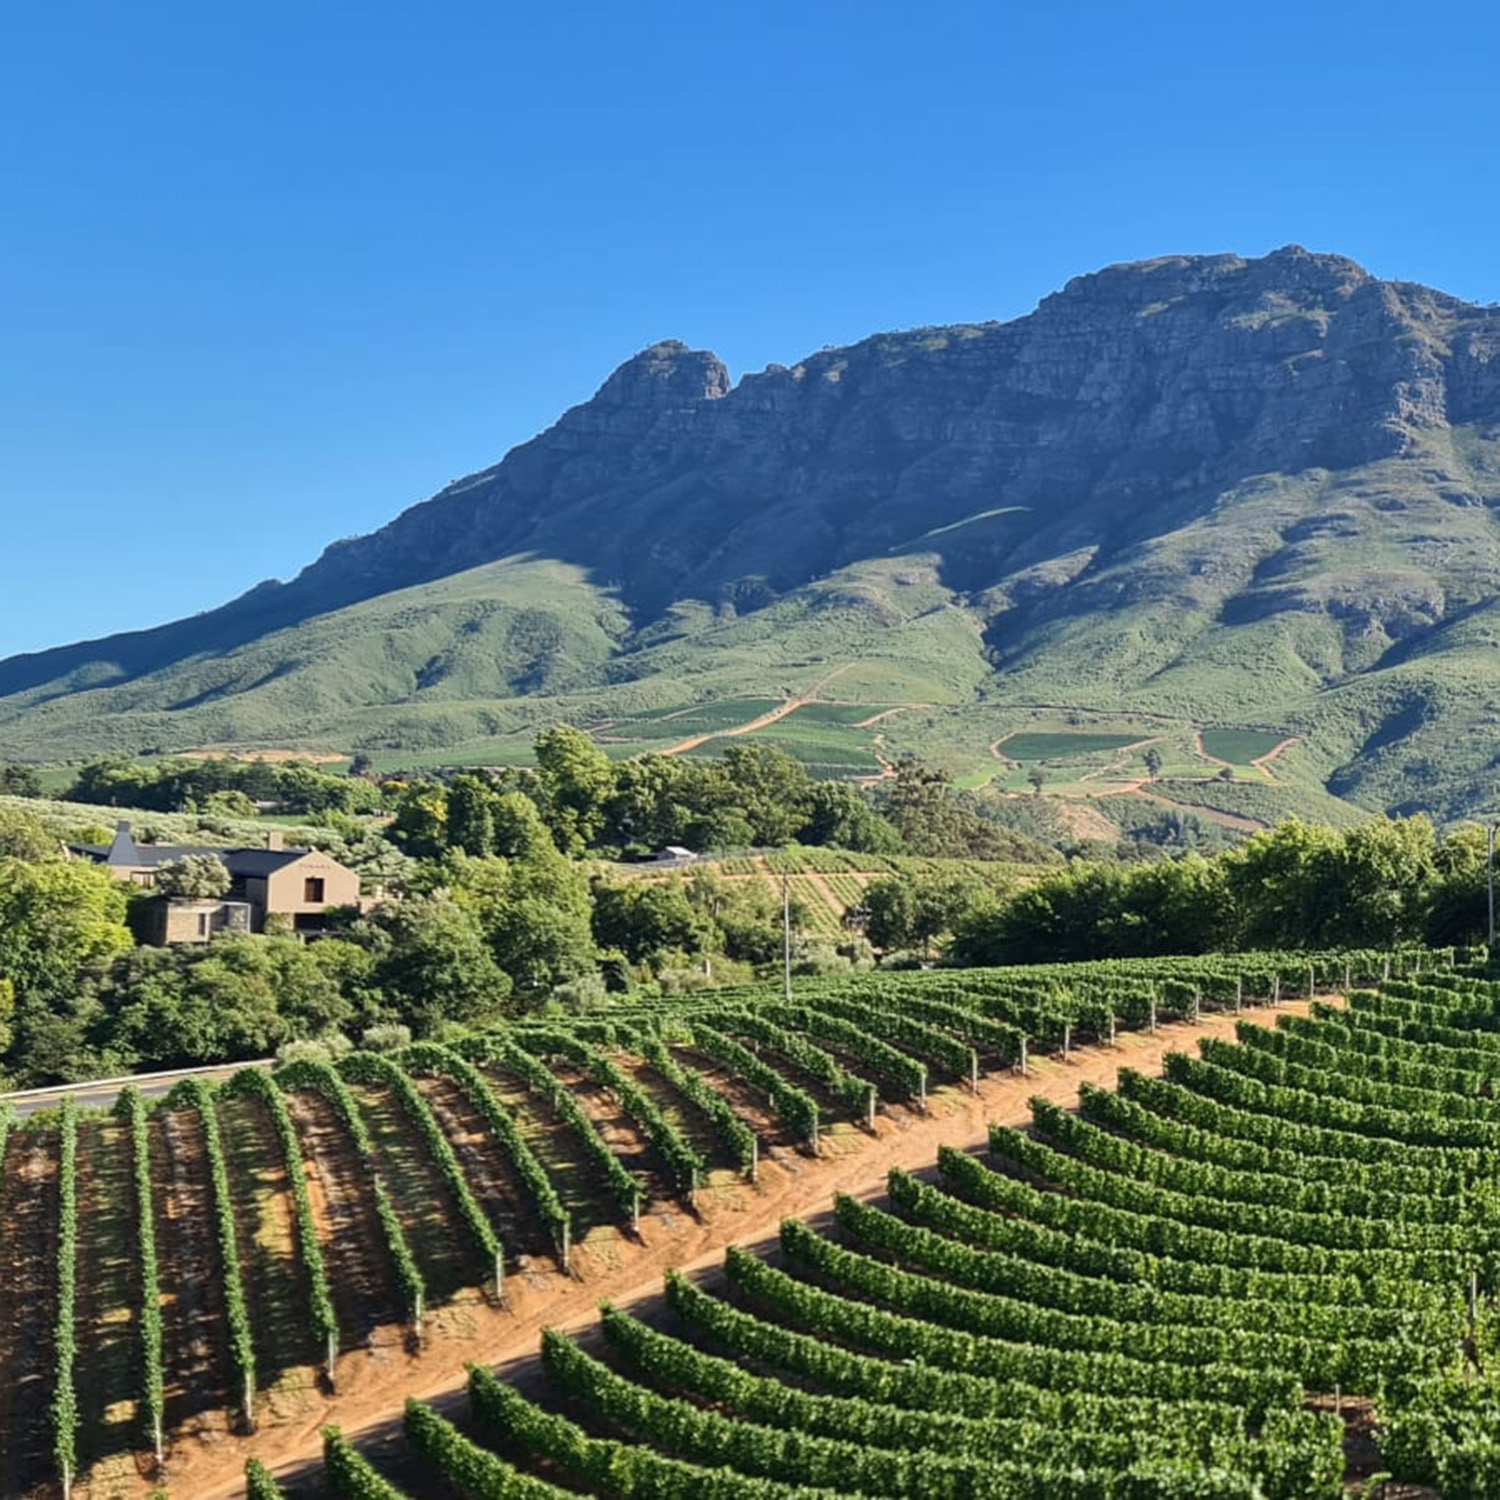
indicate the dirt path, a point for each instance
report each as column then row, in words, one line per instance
column 28, row 1300
column 816, row 882
column 887, row 771
column 1203, row 754
column 491, row 1178
column 361, row 1280
column 276, row 1290
column 887, row 713
column 106, row 1327
column 764, row 721
column 1263, row 762
column 791, row 1183
column 194, row 1335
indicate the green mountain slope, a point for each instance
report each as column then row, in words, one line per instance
column 1190, row 492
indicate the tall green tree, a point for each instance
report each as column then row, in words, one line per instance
column 533, row 907
column 432, row 964
column 57, row 920
column 840, row 815
column 578, row 782
column 914, row 910
column 471, row 816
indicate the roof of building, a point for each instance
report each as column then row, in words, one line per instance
column 124, row 851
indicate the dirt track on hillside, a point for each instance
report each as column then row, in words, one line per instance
column 791, row 1183
column 763, row 721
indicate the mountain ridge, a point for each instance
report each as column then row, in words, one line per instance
column 1114, row 495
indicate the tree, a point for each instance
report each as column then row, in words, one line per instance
column 471, row 816
column 19, row 781
column 773, row 791
column 23, row 836
column 194, row 877
column 240, row 997
column 532, row 906
column 1038, row 779
column 57, row 920
column 746, row 914
column 840, row 815
column 651, row 920
column 651, row 804
column 420, row 826
column 912, row 911
column 1458, row 904
column 578, row 782
column 433, row 965
column 230, row 803
column 919, row 805
column 1153, row 761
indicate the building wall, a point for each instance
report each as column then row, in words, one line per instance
column 176, row 922
column 287, row 891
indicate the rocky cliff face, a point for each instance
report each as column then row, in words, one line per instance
column 1126, row 388
column 1207, row 435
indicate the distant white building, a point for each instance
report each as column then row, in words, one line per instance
column 675, row 854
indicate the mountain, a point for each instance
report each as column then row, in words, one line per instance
column 1197, row 491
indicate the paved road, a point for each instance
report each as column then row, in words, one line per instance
column 103, row 1095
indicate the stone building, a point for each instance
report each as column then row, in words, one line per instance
column 299, row 885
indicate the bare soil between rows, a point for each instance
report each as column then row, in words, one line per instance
column 629, row 1269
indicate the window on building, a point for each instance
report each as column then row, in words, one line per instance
column 202, row 924
column 312, row 890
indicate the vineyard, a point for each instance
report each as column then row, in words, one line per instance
column 1306, row 1210
column 1270, row 1273
column 826, row 884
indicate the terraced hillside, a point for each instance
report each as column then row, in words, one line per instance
column 1270, row 1273
column 244, row 1258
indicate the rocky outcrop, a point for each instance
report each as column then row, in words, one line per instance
column 1126, row 402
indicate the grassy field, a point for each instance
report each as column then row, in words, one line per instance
column 1033, row 745
column 1240, row 747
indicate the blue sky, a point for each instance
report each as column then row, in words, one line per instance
column 270, row 273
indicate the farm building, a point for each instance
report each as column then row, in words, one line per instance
column 300, row 885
